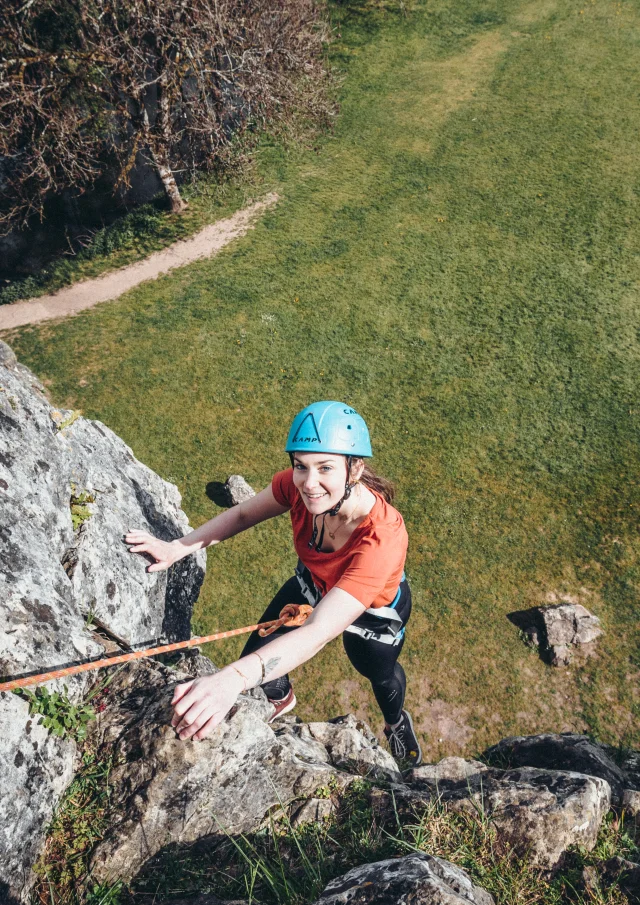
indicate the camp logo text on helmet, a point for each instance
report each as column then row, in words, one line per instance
column 307, row 427
column 330, row 427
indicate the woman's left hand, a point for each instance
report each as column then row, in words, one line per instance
column 200, row 705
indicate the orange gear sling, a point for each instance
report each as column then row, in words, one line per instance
column 291, row 616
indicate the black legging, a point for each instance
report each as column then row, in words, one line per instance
column 373, row 659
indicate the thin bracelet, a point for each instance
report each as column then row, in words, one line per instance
column 262, row 675
column 241, row 674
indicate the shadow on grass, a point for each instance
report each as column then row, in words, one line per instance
column 217, row 492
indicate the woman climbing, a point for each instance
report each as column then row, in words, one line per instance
column 351, row 545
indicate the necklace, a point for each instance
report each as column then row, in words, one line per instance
column 341, row 524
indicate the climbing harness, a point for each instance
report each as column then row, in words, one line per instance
column 291, row 616
column 391, row 633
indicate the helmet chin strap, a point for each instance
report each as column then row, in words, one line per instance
column 348, row 487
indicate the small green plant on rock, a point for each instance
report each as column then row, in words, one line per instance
column 79, row 504
column 79, row 822
column 69, row 420
column 59, row 715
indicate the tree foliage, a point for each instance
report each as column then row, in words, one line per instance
column 88, row 86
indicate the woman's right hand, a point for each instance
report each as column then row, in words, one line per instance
column 165, row 553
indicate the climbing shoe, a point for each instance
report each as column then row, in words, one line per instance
column 404, row 743
column 282, row 706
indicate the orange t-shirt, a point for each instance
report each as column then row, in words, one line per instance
column 369, row 566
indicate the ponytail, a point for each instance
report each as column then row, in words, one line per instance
column 376, row 482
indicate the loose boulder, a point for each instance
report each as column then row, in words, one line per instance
column 559, row 630
column 539, row 813
column 417, row 879
column 237, row 490
column 565, row 751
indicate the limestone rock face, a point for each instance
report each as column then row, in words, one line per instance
column 448, row 770
column 53, row 573
column 417, row 879
column 36, row 767
column 352, row 746
column 566, row 751
column 170, row 791
column 540, row 813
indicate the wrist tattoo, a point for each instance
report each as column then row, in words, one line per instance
column 271, row 665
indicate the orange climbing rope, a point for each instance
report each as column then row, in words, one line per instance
column 291, row 616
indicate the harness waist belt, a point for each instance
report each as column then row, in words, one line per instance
column 383, row 637
column 392, row 633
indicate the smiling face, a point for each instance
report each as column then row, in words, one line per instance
column 320, row 478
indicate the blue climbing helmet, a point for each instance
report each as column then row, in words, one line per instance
column 330, row 427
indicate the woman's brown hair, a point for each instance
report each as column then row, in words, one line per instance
column 376, row 482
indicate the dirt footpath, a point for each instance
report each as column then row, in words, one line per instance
column 207, row 242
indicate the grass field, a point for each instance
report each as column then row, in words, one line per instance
column 459, row 261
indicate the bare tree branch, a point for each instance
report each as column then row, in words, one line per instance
column 174, row 80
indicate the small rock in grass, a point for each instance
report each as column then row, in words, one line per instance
column 589, row 881
column 238, row 490
column 568, row 625
column 558, row 630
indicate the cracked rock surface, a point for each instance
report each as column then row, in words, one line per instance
column 167, row 791
column 417, row 879
column 566, row 751
column 54, row 574
column 540, row 813
column 352, row 746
